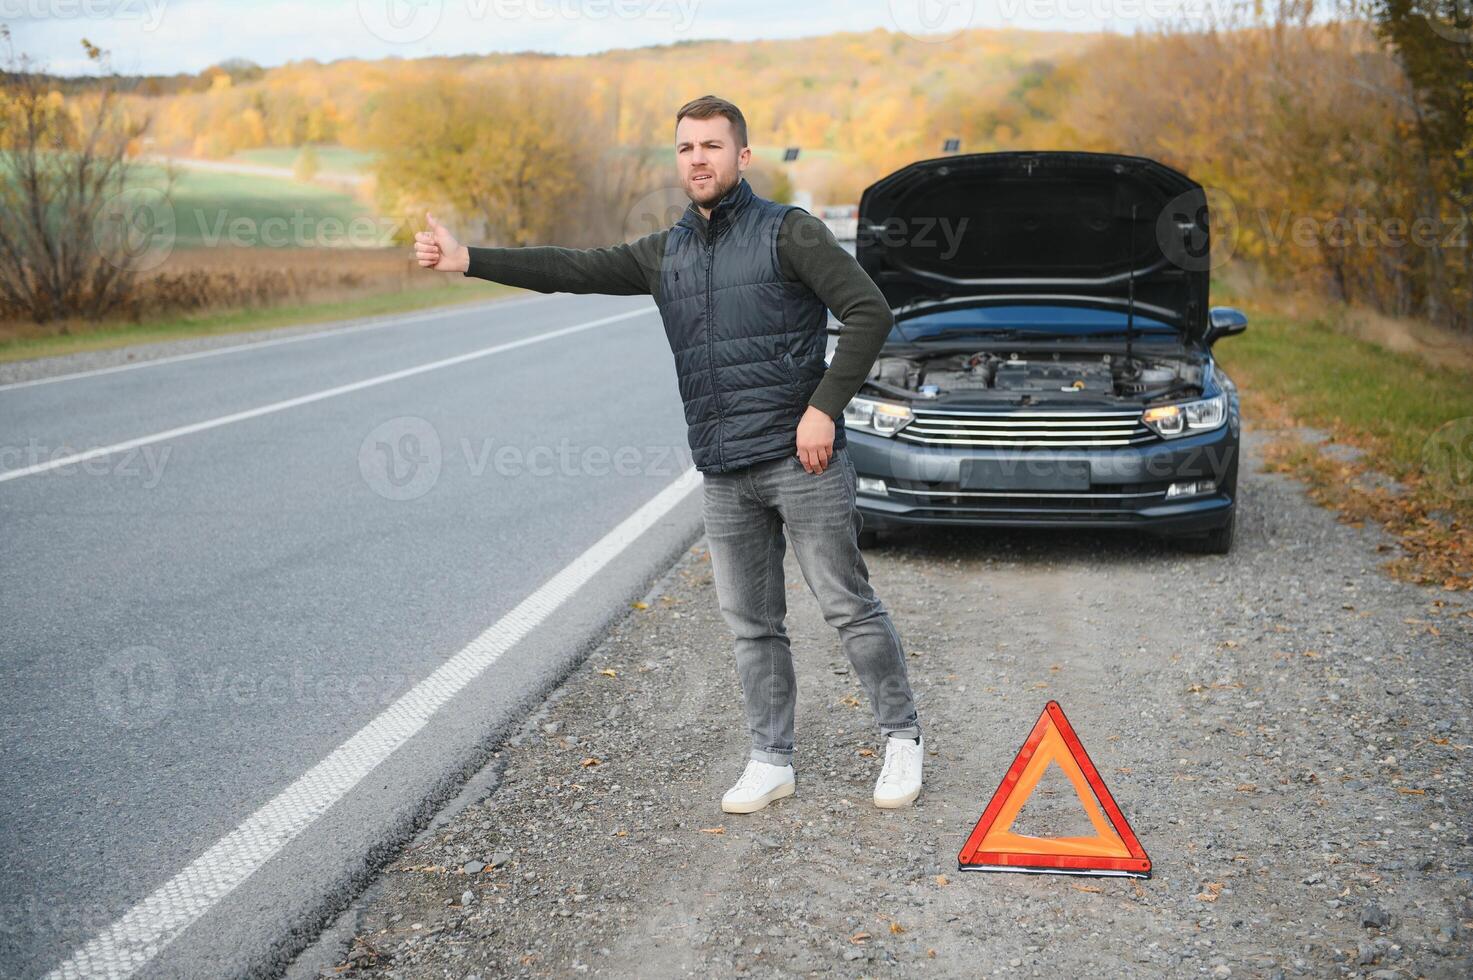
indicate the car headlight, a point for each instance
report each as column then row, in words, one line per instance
column 881, row 418
column 1184, row 417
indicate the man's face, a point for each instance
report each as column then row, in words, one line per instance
column 708, row 160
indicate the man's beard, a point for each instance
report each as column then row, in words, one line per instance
column 718, row 194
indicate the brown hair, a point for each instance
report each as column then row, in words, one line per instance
column 709, row 105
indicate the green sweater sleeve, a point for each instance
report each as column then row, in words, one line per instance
column 809, row 253
column 626, row 269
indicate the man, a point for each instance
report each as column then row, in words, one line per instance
column 743, row 285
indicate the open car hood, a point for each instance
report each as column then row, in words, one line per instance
column 1048, row 225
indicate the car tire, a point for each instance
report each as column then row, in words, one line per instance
column 868, row 540
column 1218, row 541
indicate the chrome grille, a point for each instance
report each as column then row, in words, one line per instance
column 1076, row 430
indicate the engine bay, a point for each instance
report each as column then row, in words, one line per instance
column 1022, row 377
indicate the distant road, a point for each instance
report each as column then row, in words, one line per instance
column 255, row 170
column 262, row 610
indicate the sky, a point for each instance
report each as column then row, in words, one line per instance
column 168, row 36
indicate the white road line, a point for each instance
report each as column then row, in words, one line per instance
column 153, row 923
column 491, row 307
column 316, row 396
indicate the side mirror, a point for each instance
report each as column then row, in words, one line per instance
column 1224, row 321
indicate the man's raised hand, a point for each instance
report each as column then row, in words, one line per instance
column 437, row 249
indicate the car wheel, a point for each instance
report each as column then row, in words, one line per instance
column 868, row 539
column 1218, row 541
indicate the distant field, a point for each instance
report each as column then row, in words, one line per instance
column 330, row 159
column 212, row 209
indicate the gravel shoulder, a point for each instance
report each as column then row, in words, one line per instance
column 1287, row 729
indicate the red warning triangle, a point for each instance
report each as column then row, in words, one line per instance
column 1113, row 850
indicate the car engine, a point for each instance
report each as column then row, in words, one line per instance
column 1035, row 376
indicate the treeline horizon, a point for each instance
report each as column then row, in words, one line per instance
column 1335, row 149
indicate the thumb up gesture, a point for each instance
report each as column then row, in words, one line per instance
column 437, row 249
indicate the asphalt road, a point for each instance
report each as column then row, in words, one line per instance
column 252, row 645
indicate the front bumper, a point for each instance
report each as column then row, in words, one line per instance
column 1127, row 486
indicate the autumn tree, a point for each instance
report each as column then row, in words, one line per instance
column 520, row 157
column 73, row 232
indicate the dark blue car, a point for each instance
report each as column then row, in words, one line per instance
column 1051, row 362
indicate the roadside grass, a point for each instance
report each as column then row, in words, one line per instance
column 1310, row 370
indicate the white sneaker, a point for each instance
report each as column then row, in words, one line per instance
column 900, row 779
column 761, row 783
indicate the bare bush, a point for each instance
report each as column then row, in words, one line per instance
column 75, row 227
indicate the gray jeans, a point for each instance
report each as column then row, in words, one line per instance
column 746, row 511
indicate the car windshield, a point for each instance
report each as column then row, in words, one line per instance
column 1029, row 319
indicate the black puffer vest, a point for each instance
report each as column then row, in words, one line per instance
column 748, row 344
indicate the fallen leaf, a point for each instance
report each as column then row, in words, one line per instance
column 713, row 830
column 943, row 880
column 1405, row 791
column 931, row 954
column 607, row 672
column 590, row 761
column 641, row 605
column 896, row 928
column 866, row 752
column 859, row 937
column 1210, row 892
column 1092, row 889
column 1247, row 788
